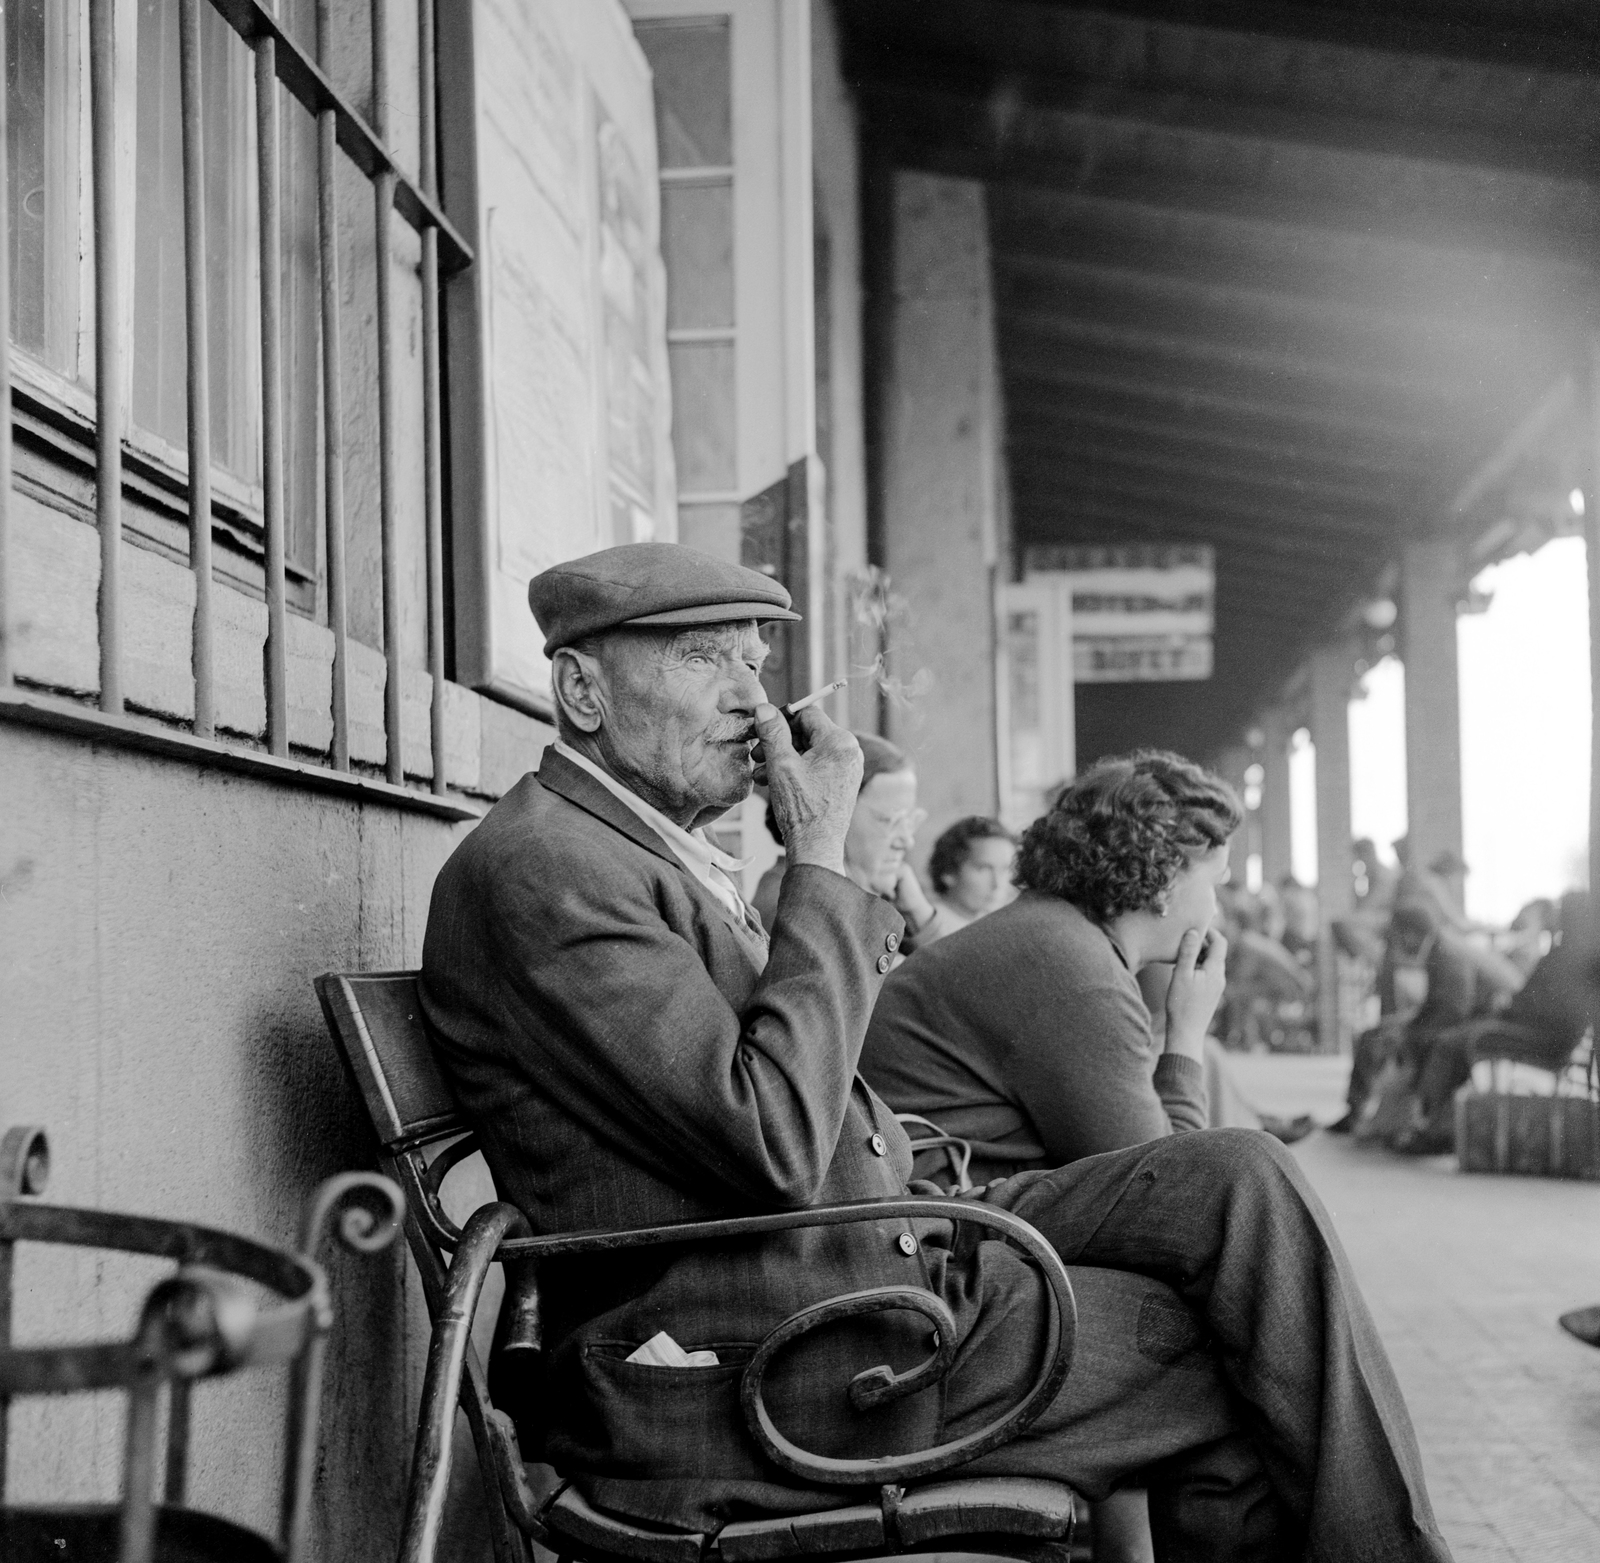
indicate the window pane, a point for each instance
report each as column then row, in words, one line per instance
column 41, row 198
column 694, row 124
column 160, row 335
column 703, row 416
column 697, row 246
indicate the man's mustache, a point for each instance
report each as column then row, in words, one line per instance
column 732, row 729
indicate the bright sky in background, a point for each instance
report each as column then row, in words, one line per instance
column 1524, row 736
column 1525, row 731
column 1378, row 758
column 1524, row 741
column 1303, row 808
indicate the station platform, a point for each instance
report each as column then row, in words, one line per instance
column 1466, row 1276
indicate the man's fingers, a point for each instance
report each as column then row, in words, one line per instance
column 774, row 731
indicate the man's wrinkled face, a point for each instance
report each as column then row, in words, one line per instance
column 680, row 715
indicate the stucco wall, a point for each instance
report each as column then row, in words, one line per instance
column 161, row 926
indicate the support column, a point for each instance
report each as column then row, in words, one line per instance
column 1276, row 854
column 1231, row 765
column 1430, row 576
column 942, row 477
column 1331, row 672
column 1591, row 544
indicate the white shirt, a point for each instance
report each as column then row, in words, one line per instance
column 710, row 865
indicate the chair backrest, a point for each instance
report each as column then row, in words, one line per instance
column 377, row 1021
column 378, row 1025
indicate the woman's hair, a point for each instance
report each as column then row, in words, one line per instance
column 1116, row 839
column 950, row 850
column 881, row 759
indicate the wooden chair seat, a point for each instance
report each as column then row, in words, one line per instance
column 988, row 1515
column 91, row 1533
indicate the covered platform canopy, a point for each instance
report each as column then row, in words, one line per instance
column 1309, row 282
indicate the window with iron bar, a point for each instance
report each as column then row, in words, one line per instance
column 257, row 387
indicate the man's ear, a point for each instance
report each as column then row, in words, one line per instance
column 578, row 685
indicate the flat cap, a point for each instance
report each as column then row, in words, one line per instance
column 648, row 583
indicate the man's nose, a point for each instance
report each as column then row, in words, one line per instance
column 744, row 691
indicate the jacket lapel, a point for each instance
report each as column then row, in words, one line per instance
column 576, row 785
column 559, row 775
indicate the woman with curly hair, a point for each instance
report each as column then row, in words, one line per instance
column 1026, row 1034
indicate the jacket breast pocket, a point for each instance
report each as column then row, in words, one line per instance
column 671, row 1422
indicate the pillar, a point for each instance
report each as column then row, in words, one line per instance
column 1231, row 765
column 941, row 472
column 1331, row 671
column 1276, row 857
column 1591, row 544
column 1430, row 578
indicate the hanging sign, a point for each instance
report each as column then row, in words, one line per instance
column 1141, row 612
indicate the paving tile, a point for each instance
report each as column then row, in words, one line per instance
column 1466, row 1276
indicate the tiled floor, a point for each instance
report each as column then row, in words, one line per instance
column 1466, row 1276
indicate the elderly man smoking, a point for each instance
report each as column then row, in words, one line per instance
column 633, row 1049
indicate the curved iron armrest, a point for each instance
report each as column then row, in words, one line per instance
column 485, row 1242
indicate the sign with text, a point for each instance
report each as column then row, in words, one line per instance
column 1139, row 612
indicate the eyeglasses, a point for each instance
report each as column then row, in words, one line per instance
column 905, row 820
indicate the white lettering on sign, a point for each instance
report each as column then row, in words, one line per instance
column 1139, row 612
column 1118, row 659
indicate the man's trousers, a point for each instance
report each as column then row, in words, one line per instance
column 1263, row 1413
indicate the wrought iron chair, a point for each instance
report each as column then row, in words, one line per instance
column 377, row 1022
column 203, row 1321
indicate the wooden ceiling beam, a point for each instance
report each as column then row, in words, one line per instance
column 1249, row 520
column 1253, row 317
column 1068, row 416
column 1353, row 267
column 1205, row 93
column 1224, row 55
column 1318, row 190
column 1350, row 375
column 1027, row 450
column 1249, row 405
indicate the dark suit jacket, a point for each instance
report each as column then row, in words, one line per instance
column 629, row 1055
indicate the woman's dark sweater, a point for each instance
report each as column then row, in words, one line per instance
column 1026, row 1034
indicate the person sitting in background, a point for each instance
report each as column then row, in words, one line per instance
column 883, row 830
column 1025, row 1034
column 1459, row 988
column 971, row 867
column 1541, row 1024
column 1531, row 935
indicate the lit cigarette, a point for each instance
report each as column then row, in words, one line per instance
column 796, row 706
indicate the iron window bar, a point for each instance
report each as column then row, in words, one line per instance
column 279, row 61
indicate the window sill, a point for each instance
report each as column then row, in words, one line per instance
column 149, row 737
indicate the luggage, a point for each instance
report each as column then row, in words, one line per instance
column 1538, row 1136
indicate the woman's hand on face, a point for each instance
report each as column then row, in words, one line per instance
column 1198, row 979
column 910, row 899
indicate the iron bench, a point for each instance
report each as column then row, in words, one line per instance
column 377, row 1022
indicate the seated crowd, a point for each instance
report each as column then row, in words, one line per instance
column 636, row 1045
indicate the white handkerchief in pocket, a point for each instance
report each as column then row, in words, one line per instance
column 662, row 1351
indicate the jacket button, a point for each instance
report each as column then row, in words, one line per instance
column 884, row 963
column 908, row 1244
column 880, row 1146
column 891, row 942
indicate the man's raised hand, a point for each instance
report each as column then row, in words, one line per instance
column 813, row 787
